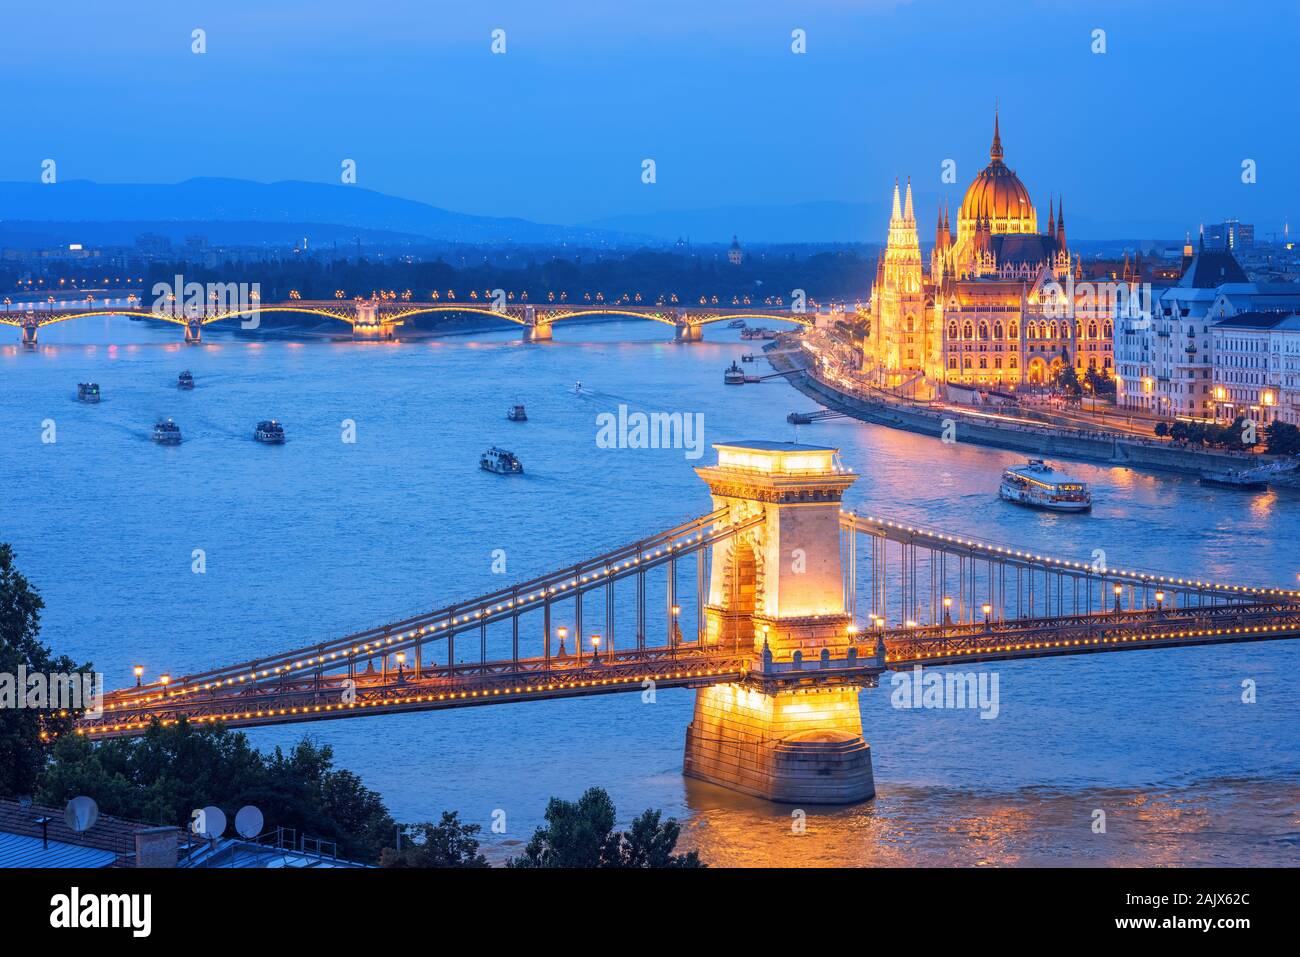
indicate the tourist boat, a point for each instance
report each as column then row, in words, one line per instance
column 747, row 357
column 1037, row 484
column 734, row 375
column 752, row 332
column 736, row 324
column 500, row 461
column 186, row 380
column 517, row 414
column 167, row 432
column 88, row 391
column 269, row 431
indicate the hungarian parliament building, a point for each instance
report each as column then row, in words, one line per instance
column 992, row 311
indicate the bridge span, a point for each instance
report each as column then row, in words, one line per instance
column 379, row 319
column 798, row 605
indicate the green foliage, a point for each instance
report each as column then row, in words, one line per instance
column 1162, row 429
column 164, row 776
column 581, row 834
column 1100, row 382
column 1282, row 438
column 448, row 843
column 23, row 749
column 1209, row 435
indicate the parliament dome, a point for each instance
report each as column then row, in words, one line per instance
column 997, row 195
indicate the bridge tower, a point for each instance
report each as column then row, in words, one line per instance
column 369, row 324
column 193, row 332
column 535, row 330
column 29, row 332
column 792, row 731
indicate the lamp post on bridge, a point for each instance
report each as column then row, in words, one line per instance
column 595, row 649
column 563, row 633
column 139, row 674
column 987, row 609
column 676, row 638
column 401, row 660
column 1119, row 590
column 947, row 611
column 1160, row 603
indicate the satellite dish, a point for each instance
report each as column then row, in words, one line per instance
column 81, row 814
column 209, row 823
column 248, row 822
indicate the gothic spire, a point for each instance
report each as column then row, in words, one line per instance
column 995, row 151
column 897, row 214
column 907, row 208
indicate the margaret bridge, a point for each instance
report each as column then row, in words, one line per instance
column 379, row 318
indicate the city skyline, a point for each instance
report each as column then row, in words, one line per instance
column 557, row 127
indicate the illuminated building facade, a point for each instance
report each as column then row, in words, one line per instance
column 999, row 306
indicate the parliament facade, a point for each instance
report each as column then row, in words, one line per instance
column 1000, row 305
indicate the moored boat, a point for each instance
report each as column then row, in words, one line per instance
column 734, row 375
column 1038, row 485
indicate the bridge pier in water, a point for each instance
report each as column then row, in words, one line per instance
column 369, row 326
column 193, row 332
column 29, row 334
column 689, row 332
column 535, row 330
column 792, row 731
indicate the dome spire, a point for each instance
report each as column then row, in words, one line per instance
column 995, row 151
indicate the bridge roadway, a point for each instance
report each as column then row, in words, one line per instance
column 297, row 696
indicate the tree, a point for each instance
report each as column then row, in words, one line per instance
column 26, row 734
column 1162, row 429
column 169, row 772
column 1282, row 438
column 448, row 843
column 581, row 834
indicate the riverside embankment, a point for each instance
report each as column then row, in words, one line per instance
column 998, row 430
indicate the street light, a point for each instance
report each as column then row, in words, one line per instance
column 676, row 636
column 401, row 660
column 1119, row 590
column 139, row 673
column 595, row 649
column 947, row 610
column 165, row 680
column 1160, row 602
column 987, row 609
column 563, row 633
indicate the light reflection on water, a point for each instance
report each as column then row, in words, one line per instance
column 317, row 538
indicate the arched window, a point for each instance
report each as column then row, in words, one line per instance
column 952, row 330
column 984, row 362
column 1032, row 331
column 997, row 330
column 911, row 324
column 968, row 331
column 1065, row 330
column 952, row 362
column 1107, row 330
column 1092, row 330
column 1051, row 330
column 1011, row 362
column 965, row 362
column 984, row 330
column 1013, row 330
column 997, row 362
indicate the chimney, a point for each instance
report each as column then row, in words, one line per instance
column 156, row 847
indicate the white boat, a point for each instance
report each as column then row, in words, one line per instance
column 270, row 432
column 88, row 391
column 500, row 462
column 1038, row 485
column 736, row 324
column 734, row 375
column 167, row 432
column 516, row 413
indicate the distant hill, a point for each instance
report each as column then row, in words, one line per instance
column 290, row 203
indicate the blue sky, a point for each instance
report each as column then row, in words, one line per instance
column 1154, row 129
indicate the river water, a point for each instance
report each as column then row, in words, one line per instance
column 320, row 537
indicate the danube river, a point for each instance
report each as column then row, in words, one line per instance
column 320, row 537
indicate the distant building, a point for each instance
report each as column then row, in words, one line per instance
column 152, row 243
column 735, row 255
column 1230, row 235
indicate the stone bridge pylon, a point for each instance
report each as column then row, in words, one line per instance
column 792, row 732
